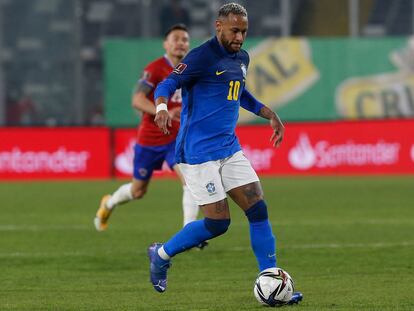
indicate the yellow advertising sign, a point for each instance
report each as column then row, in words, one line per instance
column 379, row 96
column 279, row 70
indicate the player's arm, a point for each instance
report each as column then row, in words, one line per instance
column 162, row 93
column 248, row 102
column 275, row 123
column 183, row 74
column 140, row 100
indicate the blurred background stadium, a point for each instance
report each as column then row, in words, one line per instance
column 74, row 64
column 340, row 73
column 52, row 51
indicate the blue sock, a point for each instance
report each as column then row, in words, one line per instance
column 194, row 233
column 262, row 239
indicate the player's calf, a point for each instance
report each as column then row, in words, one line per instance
column 216, row 226
column 138, row 193
column 261, row 237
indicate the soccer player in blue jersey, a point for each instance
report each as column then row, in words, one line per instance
column 212, row 78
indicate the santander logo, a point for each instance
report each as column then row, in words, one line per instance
column 60, row 160
column 302, row 156
column 323, row 154
column 124, row 160
column 412, row 153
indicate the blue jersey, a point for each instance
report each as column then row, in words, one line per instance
column 213, row 88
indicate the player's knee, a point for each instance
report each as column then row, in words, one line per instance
column 216, row 226
column 138, row 193
column 257, row 212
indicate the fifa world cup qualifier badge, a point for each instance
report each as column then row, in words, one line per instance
column 179, row 68
column 244, row 70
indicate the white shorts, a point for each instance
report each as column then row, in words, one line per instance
column 209, row 181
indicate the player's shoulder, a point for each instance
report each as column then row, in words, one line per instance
column 159, row 62
column 244, row 55
column 198, row 51
column 202, row 52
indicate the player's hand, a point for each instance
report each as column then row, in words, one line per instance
column 163, row 121
column 278, row 131
column 175, row 113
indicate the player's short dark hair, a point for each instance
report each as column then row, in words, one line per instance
column 175, row 27
column 233, row 8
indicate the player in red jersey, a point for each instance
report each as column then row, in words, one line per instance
column 152, row 146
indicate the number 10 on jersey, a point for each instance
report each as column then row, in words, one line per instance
column 234, row 88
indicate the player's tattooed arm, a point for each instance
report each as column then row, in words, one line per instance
column 142, row 87
column 140, row 100
column 267, row 113
column 275, row 123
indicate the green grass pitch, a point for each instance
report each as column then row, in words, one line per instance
column 348, row 243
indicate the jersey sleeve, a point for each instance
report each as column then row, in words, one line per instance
column 149, row 78
column 248, row 102
column 191, row 68
column 184, row 74
column 247, row 58
column 166, row 88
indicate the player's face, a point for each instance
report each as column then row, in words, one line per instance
column 231, row 31
column 177, row 43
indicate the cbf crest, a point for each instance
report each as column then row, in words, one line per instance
column 244, row 70
column 211, row 188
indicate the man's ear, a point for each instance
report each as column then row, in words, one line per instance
column 219, row 25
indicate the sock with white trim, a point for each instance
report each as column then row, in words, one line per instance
column 120, row 196
column 163, row 254
column 194, row 233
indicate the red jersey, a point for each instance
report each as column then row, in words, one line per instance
column 149, row 134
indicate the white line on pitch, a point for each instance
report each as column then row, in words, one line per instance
column 339, row 245
column 337, row 223
column 13, row 227
column 233, row 249
column 43, row 227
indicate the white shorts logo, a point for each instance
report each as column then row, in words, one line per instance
column 211, row 189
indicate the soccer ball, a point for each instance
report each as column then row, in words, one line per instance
column 273, row 287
